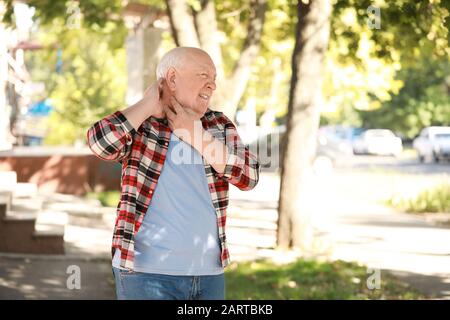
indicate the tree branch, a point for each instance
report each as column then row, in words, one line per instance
column 182, row 23
column 206, row 23
column 241, row 72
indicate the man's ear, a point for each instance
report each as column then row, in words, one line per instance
column 170, row 78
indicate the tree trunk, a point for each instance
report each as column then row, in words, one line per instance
column 182, row 23
column 312, row 33
column 206, row 25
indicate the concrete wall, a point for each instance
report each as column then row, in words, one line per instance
column 62, row 171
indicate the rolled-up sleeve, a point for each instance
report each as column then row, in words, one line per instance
column 242, row 167
column 111, row 138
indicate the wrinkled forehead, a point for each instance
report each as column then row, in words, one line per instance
column 199, row 61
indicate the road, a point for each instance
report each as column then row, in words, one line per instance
column 404, row 164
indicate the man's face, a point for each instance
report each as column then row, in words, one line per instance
column 195, row 82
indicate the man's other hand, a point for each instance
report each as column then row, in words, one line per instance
column 183, row 121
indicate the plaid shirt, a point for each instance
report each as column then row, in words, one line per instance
column 142, row 153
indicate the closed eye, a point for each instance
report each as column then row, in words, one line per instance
column 205, row 75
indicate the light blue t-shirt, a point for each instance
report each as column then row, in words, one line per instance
column 179, row 234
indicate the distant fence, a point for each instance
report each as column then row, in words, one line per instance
column 62, row 170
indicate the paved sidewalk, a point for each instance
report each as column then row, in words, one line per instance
column 87, row 238
column 45, row 277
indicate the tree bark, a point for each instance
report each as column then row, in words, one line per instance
column 182, row 23
column 312, row 34
column 206, row 25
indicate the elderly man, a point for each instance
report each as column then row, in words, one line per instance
column 178, row 157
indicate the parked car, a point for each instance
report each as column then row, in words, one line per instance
column 346, row 134
column 330, row 152
column 433, row 143
column 378, row 142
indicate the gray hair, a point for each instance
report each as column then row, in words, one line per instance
column 175, row 58
column 172, row 58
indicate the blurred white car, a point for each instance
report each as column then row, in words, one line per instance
column 433, row 143
column 378, row 142
column 331, row 152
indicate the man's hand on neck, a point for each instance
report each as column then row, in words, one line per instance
column 185, row 123
column 151, row 104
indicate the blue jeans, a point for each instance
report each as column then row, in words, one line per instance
column 152, row 286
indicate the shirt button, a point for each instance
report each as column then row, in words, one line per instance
column 165, row 143
column 129, row 139
column 151, row 191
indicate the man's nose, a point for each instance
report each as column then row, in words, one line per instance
column 211, row 85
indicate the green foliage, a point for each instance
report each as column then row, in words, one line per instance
column 436, row 199
column 106, row 198
column 95, row 13
column 345, row 115
column 361, row 86
column 92, row 81
column 360, row 66
column 269, row 81
column 424, row 99
column 91, row 85
column 361, row 63
column 406, row 26
column 309, row 279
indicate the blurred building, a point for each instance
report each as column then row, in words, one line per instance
column 143, row 46
column 16, row 88
column 31, row 128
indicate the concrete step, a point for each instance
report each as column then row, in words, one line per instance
column 6, row 197
column 68, row 198
column 8, row 180
column 13, row 215
column 33, row 232
column 16, row 227
column 76, row 207
column 47, row 242
column 29, row 204
column 24, row 226
column 48, row 220
column 5, row 203
column 3, row 210
column 25, row 190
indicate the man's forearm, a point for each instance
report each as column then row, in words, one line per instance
column 136, row 114
column 213, row 150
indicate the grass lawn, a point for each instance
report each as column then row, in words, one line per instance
column 436, row 199
column 306, row 279
column 106, row 198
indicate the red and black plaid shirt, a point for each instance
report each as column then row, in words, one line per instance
column 142, row 153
